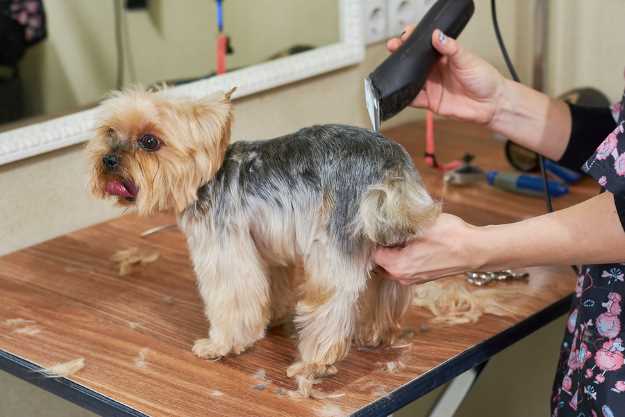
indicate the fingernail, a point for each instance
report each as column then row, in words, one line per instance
column 442, row 38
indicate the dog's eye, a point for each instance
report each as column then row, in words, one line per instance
column 149, row 142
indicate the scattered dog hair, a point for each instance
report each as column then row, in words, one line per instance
column 374, row 388
column 17, row 322
column 29, row 330
column 330, row 410
column 216, row 393
column 157, row 229
column 261, row 377
column 134, row 325
column 168, row 299
column 140, row 358
column 65, row 369
column 127, row 258
column 394, row 366
column 306, row 389
column 452, row 303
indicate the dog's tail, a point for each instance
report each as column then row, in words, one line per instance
column 395, row 210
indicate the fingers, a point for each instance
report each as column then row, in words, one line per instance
column 394, row 43
column 445, row 45
column 450, row 48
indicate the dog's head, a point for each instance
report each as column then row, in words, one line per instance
column 154, row 152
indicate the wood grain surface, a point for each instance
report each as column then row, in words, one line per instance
column 70, row 291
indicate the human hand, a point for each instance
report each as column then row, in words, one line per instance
column 443, row 249
column 461, row 84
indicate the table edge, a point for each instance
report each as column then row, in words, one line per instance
column 464, row 361
column 65, row 388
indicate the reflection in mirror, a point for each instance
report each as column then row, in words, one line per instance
column 61, row 56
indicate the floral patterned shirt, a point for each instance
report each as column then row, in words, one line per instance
column 590, row 380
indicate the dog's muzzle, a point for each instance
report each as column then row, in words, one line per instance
column 110, row 161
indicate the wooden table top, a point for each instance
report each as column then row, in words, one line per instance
column 70, row 291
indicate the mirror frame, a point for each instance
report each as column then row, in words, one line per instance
column 57, row 133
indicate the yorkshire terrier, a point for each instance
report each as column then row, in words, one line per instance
column 276, row 227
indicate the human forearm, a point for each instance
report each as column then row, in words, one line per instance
column 533, row 120
column 587, row 233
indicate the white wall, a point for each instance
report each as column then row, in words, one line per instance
column 587, row 46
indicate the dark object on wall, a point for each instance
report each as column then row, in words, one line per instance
column 11, row 99
column 30, row 15
column 136, row 4
column 12, row 41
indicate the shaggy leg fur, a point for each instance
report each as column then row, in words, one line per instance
column 283, row 297
column 326, row 313
column 381, row 309
column 235, row 288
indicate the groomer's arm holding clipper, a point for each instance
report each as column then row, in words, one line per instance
column 465, row 87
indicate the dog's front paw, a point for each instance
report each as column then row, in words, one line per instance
column 207, row 349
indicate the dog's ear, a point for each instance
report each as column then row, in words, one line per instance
column 213, row 121
column 229, row 94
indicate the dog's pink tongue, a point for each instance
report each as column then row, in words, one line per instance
column 118, row 188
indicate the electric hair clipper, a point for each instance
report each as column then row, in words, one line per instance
column 398, row 80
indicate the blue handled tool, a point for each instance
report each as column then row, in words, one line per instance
column 525, row 184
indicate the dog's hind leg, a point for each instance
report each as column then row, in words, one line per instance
column 380, row 310
column 326, row 311
column 233, row 283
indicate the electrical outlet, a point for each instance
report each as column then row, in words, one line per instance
column 405, row 12
column 375, row 20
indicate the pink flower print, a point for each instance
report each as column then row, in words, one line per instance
column 616, row 110
column 567, row 383
column 608, row 323
column 619, row 165
column 609, row 144
column 609, row 357
column 578, row 357
column 619, row 387
column 570, row 324
column 603, row 181
column 579, row 287
column 32, row 6
column 22, row 18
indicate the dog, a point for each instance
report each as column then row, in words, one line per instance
column 276, row 228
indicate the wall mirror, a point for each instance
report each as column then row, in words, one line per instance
column 50, row 89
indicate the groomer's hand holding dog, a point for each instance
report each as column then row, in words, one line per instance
column 462, row 85
column 441, row 250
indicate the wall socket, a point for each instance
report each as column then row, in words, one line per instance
column 387, row 18
column 375, row 18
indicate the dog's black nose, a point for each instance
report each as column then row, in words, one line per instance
column 110, row 161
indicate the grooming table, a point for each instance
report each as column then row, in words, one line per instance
column 135, row 332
